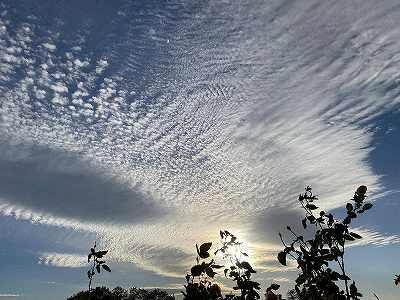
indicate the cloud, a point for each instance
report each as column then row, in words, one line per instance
column 49, row 46
column 161, row 147
column 63, row 260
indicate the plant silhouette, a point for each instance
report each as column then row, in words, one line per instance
column 239, row 270
column 198, row 286
column 316, row 280
column 97, row 263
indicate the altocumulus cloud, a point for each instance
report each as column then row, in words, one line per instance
column 155, row 145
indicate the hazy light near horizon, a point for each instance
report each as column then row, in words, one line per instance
column 156, row 153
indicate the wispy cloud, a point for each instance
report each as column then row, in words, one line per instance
column 63, row 260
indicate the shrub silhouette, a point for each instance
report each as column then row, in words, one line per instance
column 198, row 286
column 239, row 270
column 97, row 263
column 316, row 280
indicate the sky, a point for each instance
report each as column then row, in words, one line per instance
column 148, row 126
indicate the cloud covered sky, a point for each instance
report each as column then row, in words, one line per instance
column 149, row 126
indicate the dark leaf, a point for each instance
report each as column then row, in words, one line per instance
column 216, row 266
column 361, row 190
column 100, row 254
column 205, row 247
column 349, row 207
column 355, row 235
column 197, row 270
column 92, row 250
column 351, row 214
column 367, row 206
column 89, row 274
column 89, row 257
column 202, row 251
column 98, row 268
column 347, row 220
column 348, row 237
column 311, row 206
column 107, row 268
column 247, row 266
column 204, row 254
column 353, row 289
column 311, row 219
column 282, row 258
column 274, row 287
column 304, row 222
column 210, row 272
column 343, row 277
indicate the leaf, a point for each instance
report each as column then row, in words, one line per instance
column 348, row 237
column 221, row 234
column 89, row 274
column 216, row 266
column 304, row 222
column 361, row 190
column 274, row 287
column 355, row 235
column 353, row 289
column 89, row 257
column 349, row 207
column 202, row 252
column 107, row 268
column 247, row 266
column 100, row 254
column 367, row 206
column 311, row 206
column 98, row 268
column 205, row 247
column 351, row 214
column 92, row 250
column 282, row 258
column 210, row 272
column 197, row 270
column 343, row 277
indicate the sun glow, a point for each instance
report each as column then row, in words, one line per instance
column 233, row 248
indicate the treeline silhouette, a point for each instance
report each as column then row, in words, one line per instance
column 120, row 293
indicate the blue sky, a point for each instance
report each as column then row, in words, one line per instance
column 148, row 126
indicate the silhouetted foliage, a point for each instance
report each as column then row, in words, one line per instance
column 97, row 263
column 316, row 280
column 270, row 295
column 198, row 286
column 239, row 270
